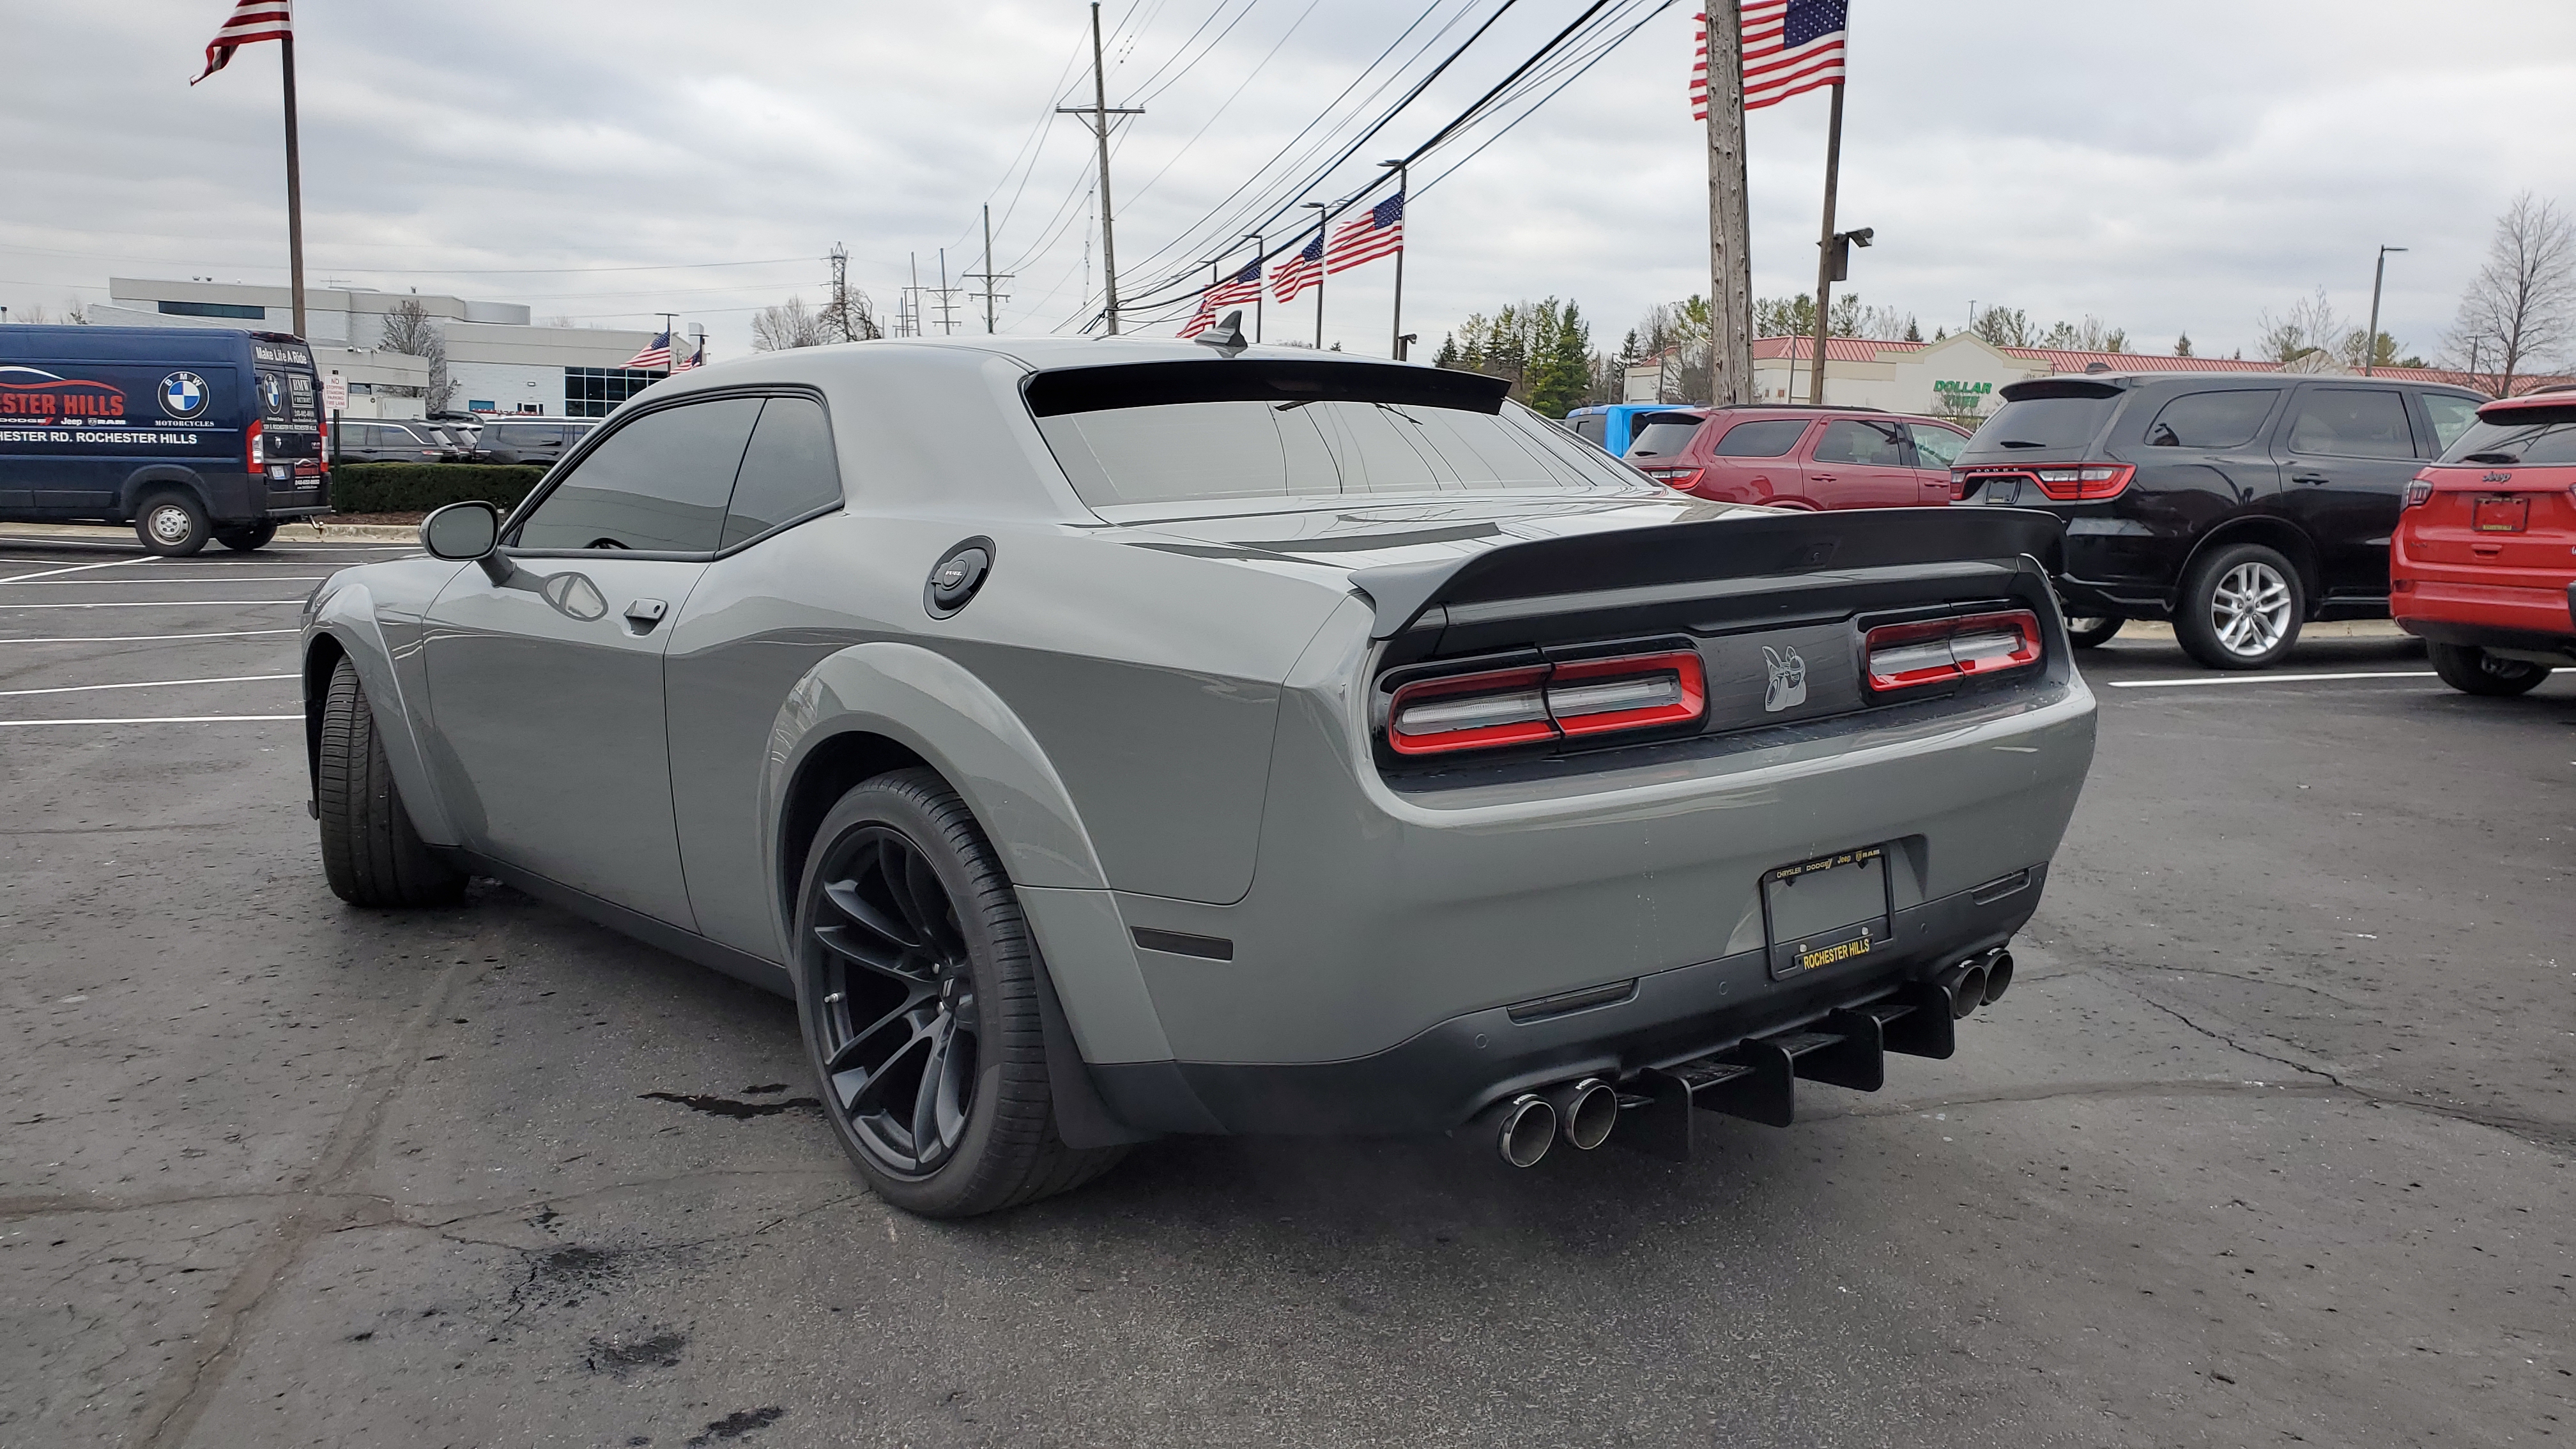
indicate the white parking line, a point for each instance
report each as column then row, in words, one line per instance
column 145, row 684
column 160, row 604
column 128, row 583
column 2242, row 678
column 74, row 569
column 157, row 719
column 144, row 638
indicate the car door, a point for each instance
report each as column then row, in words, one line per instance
column 1861, row 463
column 2346, row 456
column 1936, row 447
column 545, row 686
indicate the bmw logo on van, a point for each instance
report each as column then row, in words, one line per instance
column 184, row 396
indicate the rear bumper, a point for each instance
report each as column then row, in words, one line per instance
column 1444, row 1075
column 2501, row 616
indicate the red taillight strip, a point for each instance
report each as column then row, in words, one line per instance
column 1936, row 651
column 1542, row 702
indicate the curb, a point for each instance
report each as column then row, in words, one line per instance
column 295, row 531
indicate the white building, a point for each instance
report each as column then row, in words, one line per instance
column 498, row 361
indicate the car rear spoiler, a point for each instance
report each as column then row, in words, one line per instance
column 1663, row 559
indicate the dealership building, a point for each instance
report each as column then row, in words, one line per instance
column 498, row 360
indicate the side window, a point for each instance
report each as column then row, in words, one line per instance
column 2212, row 419
column 2452, row 415
column 2352, row 422
column 1869, row 444
column 660, row 484
column 1592, row 429
column 1768, row 439
column 1938, row 447
column 787, row 473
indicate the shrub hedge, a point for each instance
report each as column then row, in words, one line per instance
column 419, row 487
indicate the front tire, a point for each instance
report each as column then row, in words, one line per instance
column 2471, row 670
column 249, row 537
column 172, row 524
column 370, row 853
column 2241, row 608
column 918, row 994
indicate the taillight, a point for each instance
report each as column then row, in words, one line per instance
column 1909, row 656
column 255, row 452
column 1958, row 484
column 1541, row 702
column 1684, row 479
column 2091, row 481
column 2419, row 491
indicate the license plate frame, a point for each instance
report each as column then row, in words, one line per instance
column 2501, row 513
column 2001, row 492
column 1827, row 910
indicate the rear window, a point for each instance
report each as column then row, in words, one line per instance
column 2353, row 422
column 1161, row 433
column 1662, row 435
column 1593, row 429
column 1767, row 439
column 2452, row 415
column 2547, row 439
column 1877, row 445
column 2056, row 423
column 2212, row 419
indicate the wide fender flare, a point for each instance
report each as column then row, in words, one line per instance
column 155, row 476
column 348, row 615
column 934, row 707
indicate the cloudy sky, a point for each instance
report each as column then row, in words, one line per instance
column 2165, row 167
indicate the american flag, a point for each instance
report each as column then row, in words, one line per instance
column 251, row 20
column 696, row 358
column 1244, row 286
column 1790, row 47
column 1378, row 234
column 656, row 353
column 1300, row 271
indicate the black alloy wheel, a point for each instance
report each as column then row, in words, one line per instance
column 2471, row 670
column 918, row 994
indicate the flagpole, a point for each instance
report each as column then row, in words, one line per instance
column 1260, row 283
column 1825, row 248
column 1323, row 218
column 1730, row 232
column 294, row 185
column 1395, row 332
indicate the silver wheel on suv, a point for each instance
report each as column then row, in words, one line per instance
column 2241, row 608
column 2251, row 608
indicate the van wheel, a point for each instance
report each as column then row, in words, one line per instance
column 244, row 540
column 172, row 524
column 2086, row 633
column 2472, row 670
column 370, row 853
column 2241, row 608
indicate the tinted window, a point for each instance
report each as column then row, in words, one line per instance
column 2352, row 422
column 1662, row 435
column 2022, row 424
column 2452, row 415
column 2533, row 441
column 1768, row 439
column 660, row 483
column 1879, row 445
column 787, row 472
column 1594, row 429
column 2212, row 419
column 1935, row 447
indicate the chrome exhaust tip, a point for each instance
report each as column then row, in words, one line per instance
column 1999, row 974
column 1524, row 1128
column 1585, row 1112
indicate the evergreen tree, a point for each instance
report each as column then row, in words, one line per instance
column 1448, row 354
column 1913, row 333
column 2182, row 345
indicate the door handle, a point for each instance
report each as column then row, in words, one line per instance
column 2308, row 478
column 1822, row 477
column 643, row 614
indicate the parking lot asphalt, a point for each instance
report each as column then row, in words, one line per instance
column 2270, row 1142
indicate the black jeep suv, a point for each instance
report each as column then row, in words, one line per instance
column 2237, row 505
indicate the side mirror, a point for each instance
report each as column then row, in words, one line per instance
column 461, row 532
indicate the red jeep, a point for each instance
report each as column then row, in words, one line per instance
column 2483, row 567
column 1800, row 457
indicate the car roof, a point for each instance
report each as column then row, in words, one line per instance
column 1757, row 412
column 2547, row 399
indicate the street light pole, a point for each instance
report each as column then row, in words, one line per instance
column 2370, row 339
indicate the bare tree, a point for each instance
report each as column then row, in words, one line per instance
column 2310, row 325
column 409, row 330
column 2521, row 307
column 777, row 329
column 848, row 316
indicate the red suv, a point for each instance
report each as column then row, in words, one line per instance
column 2483, row 567
column 1800, row 457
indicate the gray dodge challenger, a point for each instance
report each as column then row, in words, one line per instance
column 1106, row 739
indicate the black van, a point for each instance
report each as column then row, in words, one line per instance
column 188, row 433
column 2237, row 505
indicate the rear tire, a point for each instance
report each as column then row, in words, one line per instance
column 2086, row 633
column 249, row 537
column 917, row 990
column 2241, row 608
column 370, row 853
column 2471, row 670
column 172, row 523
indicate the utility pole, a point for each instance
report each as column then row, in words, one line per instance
column 2370, row 339
column 987, row 276
column 839, row 308
column 947, row 298
column 1259, row 291
column 1730, row 230
column 1100, row 111
column 1395, row 331
column 1323, row 217
column 1826, row 250
column 912, row 294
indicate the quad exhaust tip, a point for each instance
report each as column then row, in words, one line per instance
column 1999, row 974
column 1524, row 1129
column 1585, row 1112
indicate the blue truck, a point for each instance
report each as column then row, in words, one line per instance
column 1609, row 427
column 187, row 433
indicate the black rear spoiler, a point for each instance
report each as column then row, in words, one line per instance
column 1668, row 559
